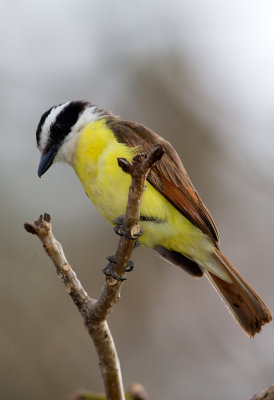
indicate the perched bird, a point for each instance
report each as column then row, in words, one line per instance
column 174, row 220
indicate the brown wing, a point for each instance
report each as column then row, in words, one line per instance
column 168, row 176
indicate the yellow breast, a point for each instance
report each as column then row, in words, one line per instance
column 105, row 183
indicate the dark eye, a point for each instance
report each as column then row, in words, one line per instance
column 56, row 128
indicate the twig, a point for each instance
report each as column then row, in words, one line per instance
column 267, row 394
column 95, row 312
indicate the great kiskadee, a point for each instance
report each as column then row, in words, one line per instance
column 174, row 220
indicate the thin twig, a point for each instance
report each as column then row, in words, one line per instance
column 94, row 312
column 267, row 394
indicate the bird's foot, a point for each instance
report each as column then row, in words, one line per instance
column 118, row 225
column 109, row 269
column 120, row 229
column 130, row 266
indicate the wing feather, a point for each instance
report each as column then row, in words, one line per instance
column 168, row 176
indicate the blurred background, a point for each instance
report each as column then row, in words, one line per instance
column 200, row 73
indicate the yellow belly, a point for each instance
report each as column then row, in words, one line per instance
column 107, row 187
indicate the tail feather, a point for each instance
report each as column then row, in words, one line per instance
column 247, row 308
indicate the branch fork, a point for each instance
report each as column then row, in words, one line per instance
column 95, row 312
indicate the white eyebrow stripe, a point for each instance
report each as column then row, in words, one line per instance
column 45, row 129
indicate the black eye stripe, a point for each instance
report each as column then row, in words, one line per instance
column 55, row 128
column 63, row 123
column 65, row 120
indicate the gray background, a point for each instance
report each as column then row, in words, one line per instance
column 200, row 73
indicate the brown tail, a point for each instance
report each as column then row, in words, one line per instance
column 245, row 305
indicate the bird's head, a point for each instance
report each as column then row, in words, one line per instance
column 59, row 129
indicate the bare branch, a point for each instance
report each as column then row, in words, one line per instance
column 94, row 312
column 100, row 333
column 267, row 394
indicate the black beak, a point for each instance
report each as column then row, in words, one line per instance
column 47, row 159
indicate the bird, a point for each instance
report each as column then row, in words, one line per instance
column 174, row 220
